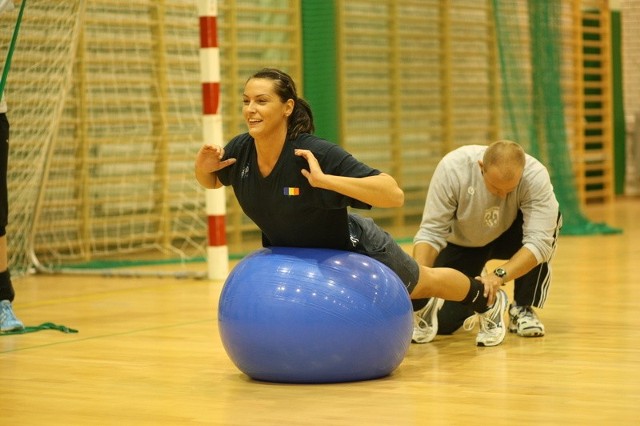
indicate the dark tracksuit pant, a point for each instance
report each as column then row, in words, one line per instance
column 530, row 289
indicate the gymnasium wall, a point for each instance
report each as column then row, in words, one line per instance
column 105, row 107
column 630, row 24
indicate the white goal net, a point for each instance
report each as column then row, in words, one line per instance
column 105, row 111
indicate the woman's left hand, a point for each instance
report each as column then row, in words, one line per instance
column 379, row 190
column 314, row 175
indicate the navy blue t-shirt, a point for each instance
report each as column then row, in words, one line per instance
column 286, row 208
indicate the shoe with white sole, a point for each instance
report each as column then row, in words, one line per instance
column 492, row 326
column 425, row 326
column 8, row 320
column 524, row 321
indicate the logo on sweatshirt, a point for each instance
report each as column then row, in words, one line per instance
column 492, row 217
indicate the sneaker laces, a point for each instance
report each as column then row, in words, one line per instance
column 484, row 319
column 470, row 323
column 485, row 323
column 421, row 322
column 525, row 313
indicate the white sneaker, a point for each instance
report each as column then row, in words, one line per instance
column 524, row 321
column 8, row 320
column 492, row 327
column 425, row 325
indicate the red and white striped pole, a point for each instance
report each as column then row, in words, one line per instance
column 217, row 251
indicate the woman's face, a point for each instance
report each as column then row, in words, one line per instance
column 263, row 110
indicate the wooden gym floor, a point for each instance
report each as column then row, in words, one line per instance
column 148, row 353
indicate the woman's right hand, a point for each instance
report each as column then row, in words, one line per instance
column 208, row 161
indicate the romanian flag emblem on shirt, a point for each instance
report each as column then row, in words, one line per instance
column 288, row 191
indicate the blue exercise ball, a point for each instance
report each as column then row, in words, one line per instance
column 303, row 315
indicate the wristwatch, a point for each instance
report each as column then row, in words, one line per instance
column 499, row 272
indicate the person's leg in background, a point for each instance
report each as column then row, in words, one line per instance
column 530, row 290
column 8, row 320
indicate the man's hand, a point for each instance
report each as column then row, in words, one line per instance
column 491, row 284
